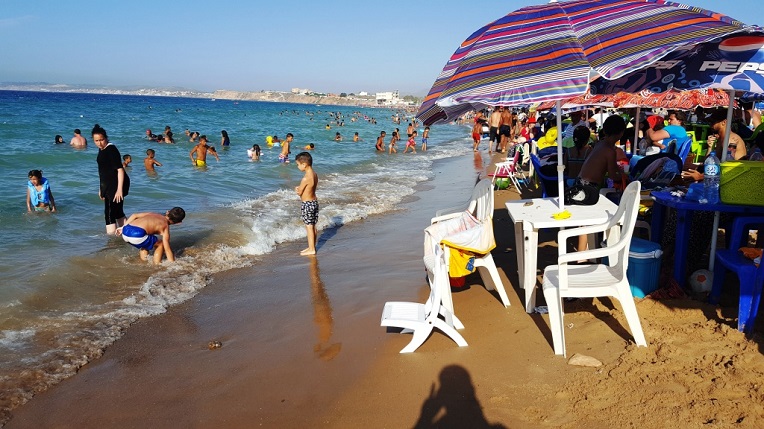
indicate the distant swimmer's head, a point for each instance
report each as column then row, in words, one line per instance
column 310, row 146
column 175, row 215
column 59, row 139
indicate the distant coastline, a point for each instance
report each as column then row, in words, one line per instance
column 267, row 96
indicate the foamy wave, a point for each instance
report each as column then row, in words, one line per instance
column 14, row 339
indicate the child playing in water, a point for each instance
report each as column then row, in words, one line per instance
column 39, row 195
column 284, row 155
column 307, row 193
column 126, row 160
column 393, row 139
column 425, row 136
column 200, row 150
column 476, row 130
column 254, row 153
column 149, row 162
column 411, row 143
column 380, row 146
column 139, row 230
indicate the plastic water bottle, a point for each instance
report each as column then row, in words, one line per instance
column 711, row 172
column 756, row 155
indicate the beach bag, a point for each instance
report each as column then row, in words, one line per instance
column 582, row 194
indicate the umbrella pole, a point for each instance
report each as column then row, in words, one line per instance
column 727, row 131
column 560, row 164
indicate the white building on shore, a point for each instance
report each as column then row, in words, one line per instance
column 388, row 98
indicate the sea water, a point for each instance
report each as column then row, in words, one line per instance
column 68, row 290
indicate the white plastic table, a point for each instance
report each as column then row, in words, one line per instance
column 529, row 219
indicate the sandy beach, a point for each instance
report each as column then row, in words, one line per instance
column 301, row 346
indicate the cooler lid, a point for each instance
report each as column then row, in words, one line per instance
column 644, row 249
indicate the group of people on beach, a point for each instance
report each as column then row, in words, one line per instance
column 151, row 231
column 411, row 133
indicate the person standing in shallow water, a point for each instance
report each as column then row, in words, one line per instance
column 114, row 183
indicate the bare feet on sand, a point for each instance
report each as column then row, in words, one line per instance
column 307, row 252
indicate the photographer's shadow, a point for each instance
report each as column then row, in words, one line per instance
column 454, row 404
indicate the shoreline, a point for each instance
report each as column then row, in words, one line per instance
column 284, row 315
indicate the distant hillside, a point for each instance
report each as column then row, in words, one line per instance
column 288, row 97
column 101, row 89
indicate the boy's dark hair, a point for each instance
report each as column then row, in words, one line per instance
column 613, row 125
column 127, row 155
column 581, row 136
column 97, row 130
column 717, row 116
column 290, row 135
column 35, row 173
column 176, row 215
column 77, row 130
column 149, row 151
column 304, row 157
column 203, row 137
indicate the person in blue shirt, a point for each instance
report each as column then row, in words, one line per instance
column 39, row 195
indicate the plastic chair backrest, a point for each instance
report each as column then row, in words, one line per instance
column 537, row 165
column 683, row 148
column 756, row 132
column 481, row 202
column 627, row 213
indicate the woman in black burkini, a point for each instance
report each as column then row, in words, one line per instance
column 114, row 182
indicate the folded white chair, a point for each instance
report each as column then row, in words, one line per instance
column 595, row 280
column 421, row 319
column 454, row 223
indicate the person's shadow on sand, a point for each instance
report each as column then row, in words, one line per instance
column 322, row 315
column 454, row 405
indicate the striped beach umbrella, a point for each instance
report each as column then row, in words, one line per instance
column 551, row 51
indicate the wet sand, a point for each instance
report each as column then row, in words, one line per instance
column 302, row 347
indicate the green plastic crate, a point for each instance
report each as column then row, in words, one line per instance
column 741, row 183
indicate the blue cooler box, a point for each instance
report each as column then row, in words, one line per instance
column 644, row 266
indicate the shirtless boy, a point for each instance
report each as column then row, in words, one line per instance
column 149, row 162
column 284, row 155
column 139, row 230
column 78, row 140
column 307, row 193
column 200, row 150
column 381, row 142
column 602, row 159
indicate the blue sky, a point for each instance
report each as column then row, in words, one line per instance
column 326, row 46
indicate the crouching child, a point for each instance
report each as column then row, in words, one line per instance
column 140, row 230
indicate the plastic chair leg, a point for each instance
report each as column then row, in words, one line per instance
column 632, row 317
column 419, row 337
column 493, row 281
column 451, row 332
column 750, row 296
column 556, row 319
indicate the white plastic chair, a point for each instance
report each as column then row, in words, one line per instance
column 421, row 319
column 595, row 280
column 480, row 204
column 510, row 169
column 481, row 207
